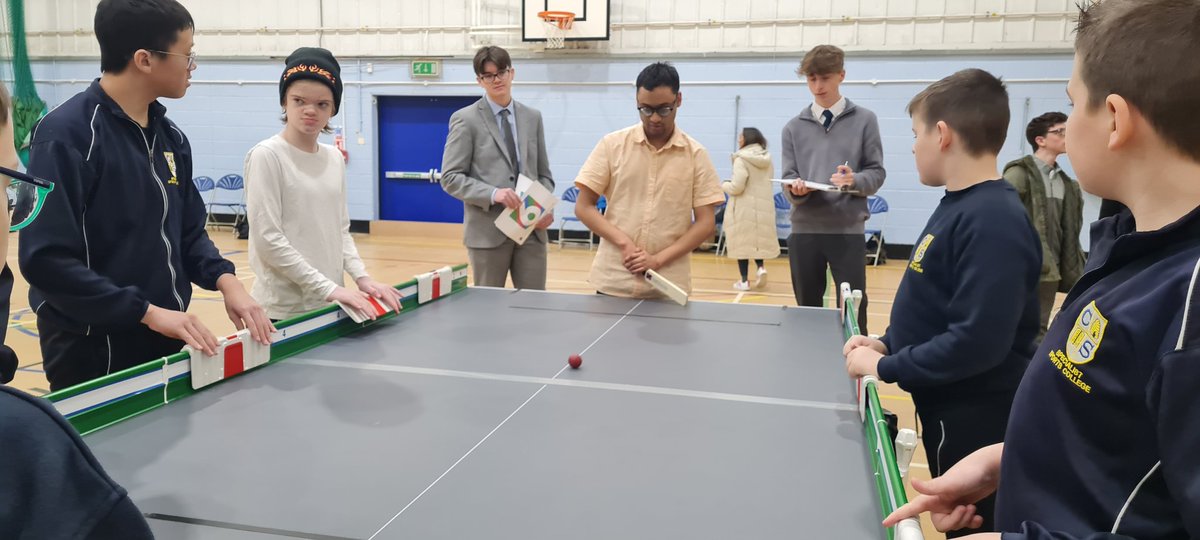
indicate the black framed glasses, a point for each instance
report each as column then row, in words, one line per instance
column 1061, row 132
column 26, row 195
column 663, row 112
column 491, row 77
column 190, row 56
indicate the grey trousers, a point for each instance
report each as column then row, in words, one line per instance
column 526, row 263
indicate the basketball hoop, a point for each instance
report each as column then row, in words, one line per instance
column 557, row 24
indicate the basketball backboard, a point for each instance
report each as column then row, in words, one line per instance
column 591, row 19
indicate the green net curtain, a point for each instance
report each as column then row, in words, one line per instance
column 28, row 107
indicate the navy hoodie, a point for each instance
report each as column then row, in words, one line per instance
column 124, row 226
column 1104, row 437
column 51, row 486
column 966, row 313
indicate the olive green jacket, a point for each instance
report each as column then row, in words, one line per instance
column 1024, row 175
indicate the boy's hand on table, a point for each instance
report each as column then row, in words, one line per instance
column 181, row 326
column 863, row 361
column 864, row 341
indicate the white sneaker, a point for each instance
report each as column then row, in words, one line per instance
column 741, row 286
column 760, row 278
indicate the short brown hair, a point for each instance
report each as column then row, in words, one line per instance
column 493, row 54
column 1140, row 51
column 973, row 102
column 822, row 60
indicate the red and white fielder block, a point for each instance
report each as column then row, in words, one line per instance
column 435, row 284
column 378, row 308
column 235, row 354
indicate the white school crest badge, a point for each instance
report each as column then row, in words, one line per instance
column 1087, row 334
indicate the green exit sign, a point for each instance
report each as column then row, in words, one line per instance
column 425, row 69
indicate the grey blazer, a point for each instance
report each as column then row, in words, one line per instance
column 475, row 162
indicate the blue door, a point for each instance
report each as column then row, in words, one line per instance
column 412, row 135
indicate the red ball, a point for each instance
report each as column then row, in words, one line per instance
column 575, row 360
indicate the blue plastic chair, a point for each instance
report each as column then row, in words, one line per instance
column 205, row 186
column 571, row 195
column 876, row 205
column 232, row 183
column 783, row 218
column 721, row 226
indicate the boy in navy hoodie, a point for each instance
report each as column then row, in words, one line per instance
column 112, row 258
column 50, row 484
column 1105, row 426
column 966, row 312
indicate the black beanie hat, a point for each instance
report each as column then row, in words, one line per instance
column 315, row 64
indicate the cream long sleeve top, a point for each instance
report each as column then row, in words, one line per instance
column 300, row 241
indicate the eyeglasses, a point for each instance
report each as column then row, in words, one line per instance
column 26, row 195
column 1062, row 131
column 663, row 112
column 190, row 56
column 491, row 77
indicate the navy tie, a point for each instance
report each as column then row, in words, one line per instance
column 826, row 118
column 509, row 143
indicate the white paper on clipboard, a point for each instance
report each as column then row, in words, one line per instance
column 817, row 186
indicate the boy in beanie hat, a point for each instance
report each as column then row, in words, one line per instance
column 301, row 246
column 491, row 143
column 316, row 64
column 112, row 258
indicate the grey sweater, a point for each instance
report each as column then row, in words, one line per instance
column 812, row 154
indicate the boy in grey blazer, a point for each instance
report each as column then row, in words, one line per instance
column 490, row 143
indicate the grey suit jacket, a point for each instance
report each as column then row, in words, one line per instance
column 476, row 161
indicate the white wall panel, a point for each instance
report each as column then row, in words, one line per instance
column 407, row 28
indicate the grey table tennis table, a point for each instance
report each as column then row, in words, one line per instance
column 462, row 420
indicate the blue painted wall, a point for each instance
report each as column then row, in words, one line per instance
column 234, row 104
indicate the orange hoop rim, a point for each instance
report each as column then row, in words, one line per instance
column 562, row 18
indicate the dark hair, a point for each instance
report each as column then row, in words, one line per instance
column 124, row 26
column 753, row 136
column 493, row 54
column 1040, row 126
column 1140, row 51
column 973, row 102
column 822, row 60
column 659, row 74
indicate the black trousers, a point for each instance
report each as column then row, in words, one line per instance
column 70, row 358
column 744, row 267
column 951, row 433
column 844, row 255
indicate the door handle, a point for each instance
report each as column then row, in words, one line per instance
column 432, row 175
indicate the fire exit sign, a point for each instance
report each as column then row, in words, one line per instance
column 425, row 69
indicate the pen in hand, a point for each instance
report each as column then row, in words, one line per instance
column 843, row 173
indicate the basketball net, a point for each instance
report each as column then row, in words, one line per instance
column 557, row 23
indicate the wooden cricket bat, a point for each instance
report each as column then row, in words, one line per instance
column 663, row 285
